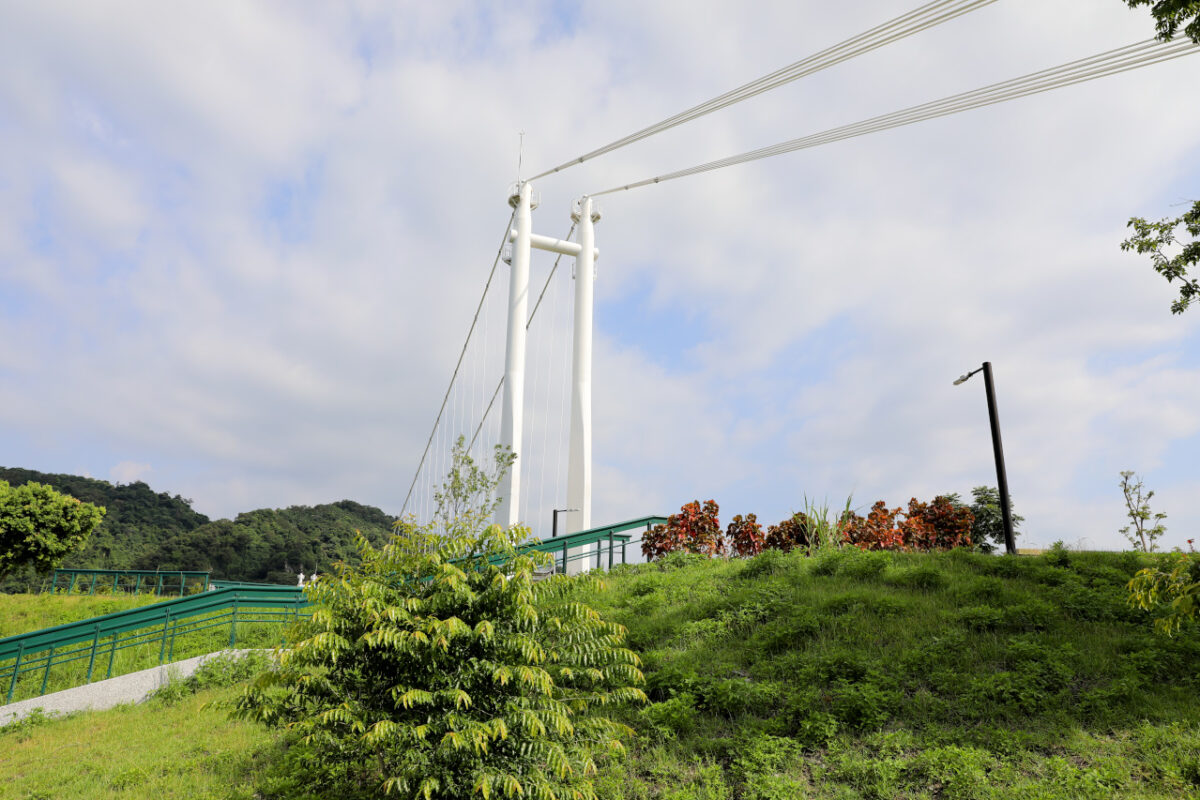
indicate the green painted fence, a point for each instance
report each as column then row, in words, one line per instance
column 96, row 642
column 155, row 629
column 172, row 581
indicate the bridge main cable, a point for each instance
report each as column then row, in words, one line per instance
column 922, row 18
column 1122, row 59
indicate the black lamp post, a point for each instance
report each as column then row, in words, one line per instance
column 1010, row 545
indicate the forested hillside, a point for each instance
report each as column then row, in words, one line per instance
column 272, row 545
column 144, row 529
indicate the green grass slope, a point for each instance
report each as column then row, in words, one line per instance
column 22, row 613
column 849, row 675
column 187, row 749
column 878, row 675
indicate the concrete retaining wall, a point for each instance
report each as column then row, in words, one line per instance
column 132, row 688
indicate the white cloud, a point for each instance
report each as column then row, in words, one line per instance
column 243, row 244
column 129, row 472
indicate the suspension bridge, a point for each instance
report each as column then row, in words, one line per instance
column 542, row 418
column 554, row 417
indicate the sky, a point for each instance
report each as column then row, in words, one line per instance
column 241, row 245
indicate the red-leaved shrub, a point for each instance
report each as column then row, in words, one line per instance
column 790, row 533
column 938, row 525
column 878, row 531
column 745, row 536
column 694, row 529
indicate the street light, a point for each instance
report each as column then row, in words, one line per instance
column 1010, row 545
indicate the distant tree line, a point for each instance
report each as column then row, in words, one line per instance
column 144, row 529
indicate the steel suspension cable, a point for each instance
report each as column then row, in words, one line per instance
column 920, row 19
column 528, row 322
column 1120, row 60
column 458, row 365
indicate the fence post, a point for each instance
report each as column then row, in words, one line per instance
column 158, row 589
column 116, row 578
column 71, row 588
column 137, row 589
column 92, row 587
column 610, row 550
column 54, row 585
column 46, row 676
column 95, row 644
column 233, row 626
column 171, row 649
column 564, row 558
column 12, row 685
column 162, row 648
column 112, row 653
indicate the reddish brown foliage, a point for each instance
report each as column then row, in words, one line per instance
column 792, row 532
column 694, row 529
column 745, row 536
column 938, row 525
column 877, row 532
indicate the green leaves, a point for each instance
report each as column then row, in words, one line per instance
column 438, row 668
column 1159, row 238
column 1170, row 14
column 39, row 526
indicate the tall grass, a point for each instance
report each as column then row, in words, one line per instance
column 876, row 674
column 22, row 613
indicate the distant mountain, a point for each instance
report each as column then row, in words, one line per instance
column 144, row 529
column 273, row 545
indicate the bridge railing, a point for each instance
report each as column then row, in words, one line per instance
column 171, row 581
column 596, row 548
column 80, row 652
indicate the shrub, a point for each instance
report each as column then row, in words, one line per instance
column 941, row 524
column 694, row 529
column 790, row 533
column 878, row 531
column 39, row 526
column 673, row 716
column 1174, row 586
column 745, row 536
column 439, row 668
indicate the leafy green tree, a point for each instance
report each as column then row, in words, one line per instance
column 1158, row 239
column 39, row 526
column 1140, row 533
column 1174, row 586
column 987, row 529
column 1170, row 14
column 439, row 668
column 467, row 499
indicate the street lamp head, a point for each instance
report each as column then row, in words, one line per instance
column 962, row 379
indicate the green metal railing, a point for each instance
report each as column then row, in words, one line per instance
column 611, row 538
column 98, row 640
column 173, row 581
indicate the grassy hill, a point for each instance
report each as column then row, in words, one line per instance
column 22, row 613
column 144, row 529
column 883, row 675
column 848, row 675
